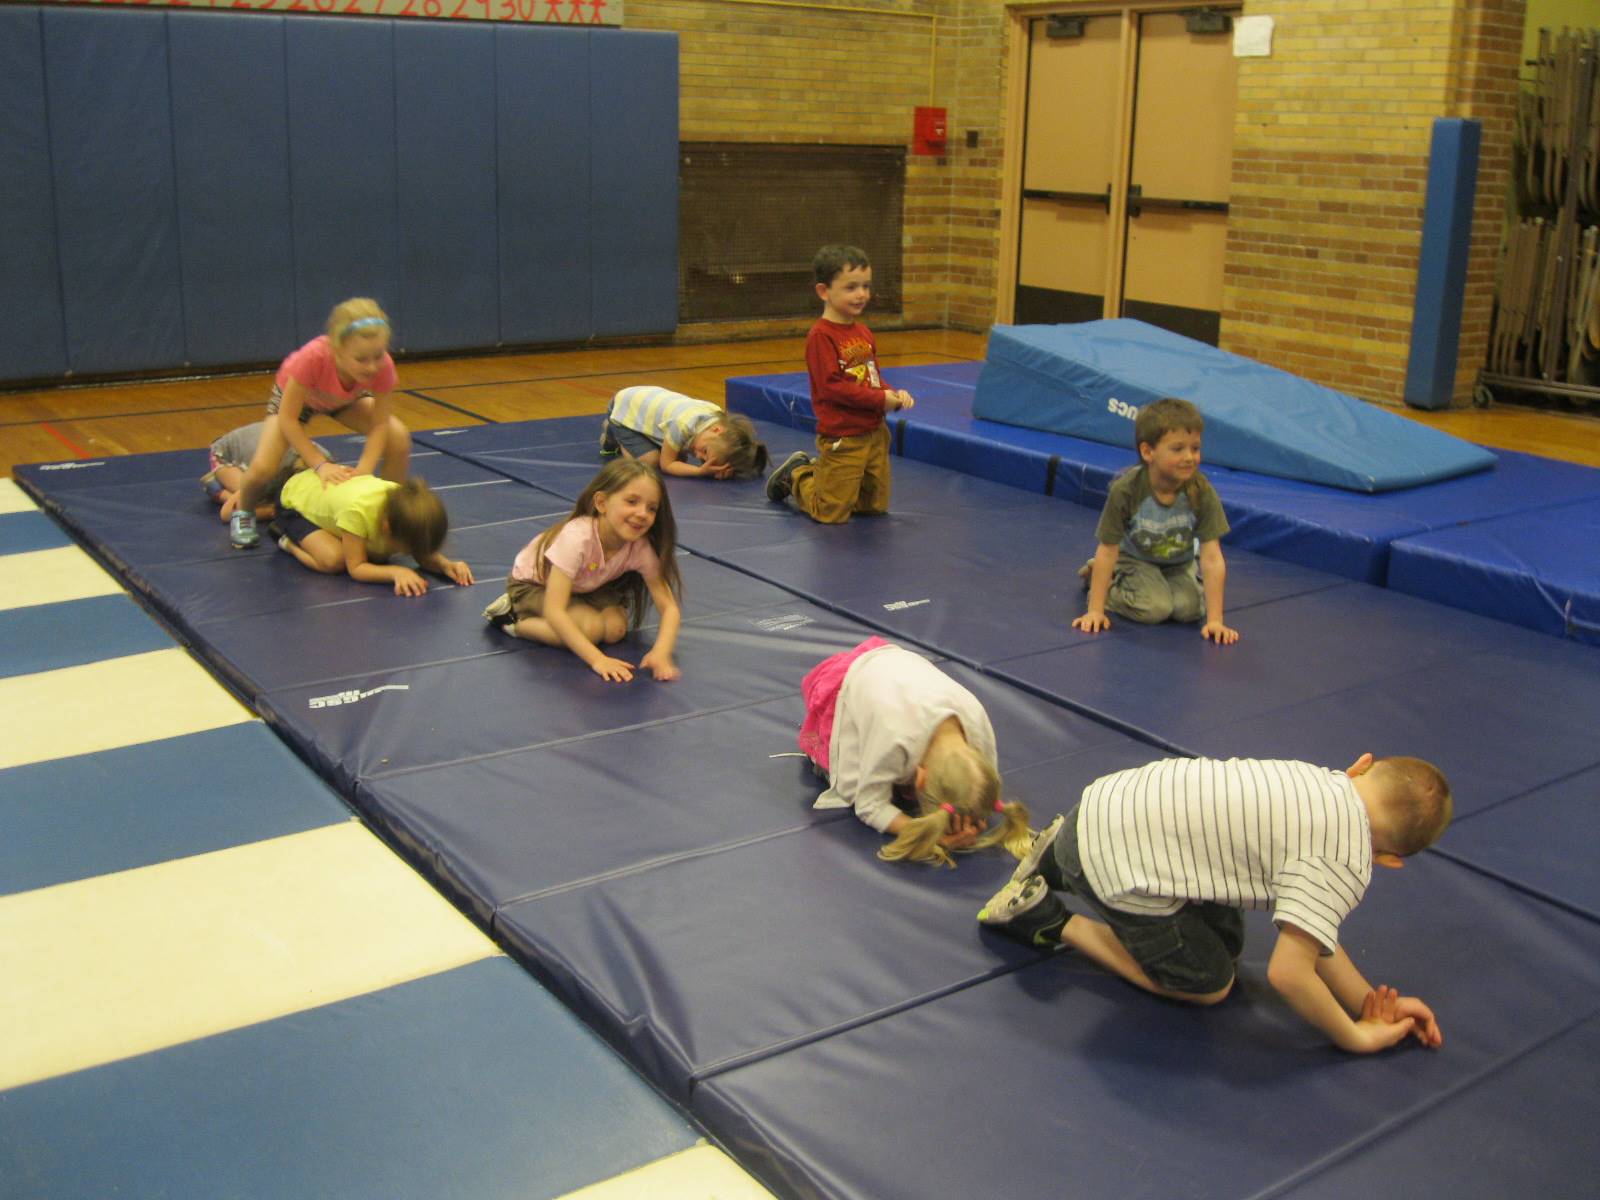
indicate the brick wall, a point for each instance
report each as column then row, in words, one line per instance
column 1330, row 172
column 1330, row 166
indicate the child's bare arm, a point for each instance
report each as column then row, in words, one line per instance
column 557, row 599
column 659, row 659
column 289, row 410
column 377, row 435
column 671, row 463
column 452, row 569
column 1094, row 618
column 406, row 581
column 1213, row 576
column 1295, row 972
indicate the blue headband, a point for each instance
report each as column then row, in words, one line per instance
column 364, row 323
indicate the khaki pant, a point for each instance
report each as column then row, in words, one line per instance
column 849, row 477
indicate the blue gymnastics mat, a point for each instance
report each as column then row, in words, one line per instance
column 638, row 850
column 437, row 1087
column 1328, row 528
column 1088, row 379
column 1057, row 1080
column 1540, row 569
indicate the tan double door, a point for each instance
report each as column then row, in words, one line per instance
column 1127, row 151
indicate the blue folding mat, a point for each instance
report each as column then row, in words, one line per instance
column 1315, row 525
column 638, row 849
column 1088, row 380
column 1539, row 569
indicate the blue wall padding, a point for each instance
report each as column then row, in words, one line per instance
column 231, row 144
column 469, row 1082
column 546, row 219
column 1540, row 569
column 444, row 91
column 1115, row 1082
column 342, row 150
column 30, row 268
column 115, row 810
column 200, row 188
column 111, row 150
column 1442, row 262
column 635, row 138
column 1085, row 380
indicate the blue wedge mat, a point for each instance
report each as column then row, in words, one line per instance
column 46, row 637
column 1328, row 528
column 1060, row 1080
column 472, row 1082
column 1086, row 380
column 1540, row 569
column 114, row 810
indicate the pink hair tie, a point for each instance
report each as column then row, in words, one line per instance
column 999, row 807
column 949, row 808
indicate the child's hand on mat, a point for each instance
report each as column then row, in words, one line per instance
column 660, row 665
column 716, row 470
column 1381, row 1023
column 963, row 832
column 1092, row 622
column 1396, row 1007
column 408, row 583
column 1219, row 633
column 459, row 573
column 613, row 670
column 333, row 474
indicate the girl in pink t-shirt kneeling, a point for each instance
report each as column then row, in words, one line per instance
column 346, row 373
column 582, row 583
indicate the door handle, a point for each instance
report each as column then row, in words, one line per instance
column 1138, row 202
column 1101, row 198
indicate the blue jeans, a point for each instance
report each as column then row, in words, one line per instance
column 1192, row 950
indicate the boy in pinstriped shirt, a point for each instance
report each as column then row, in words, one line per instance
column 1166, row 855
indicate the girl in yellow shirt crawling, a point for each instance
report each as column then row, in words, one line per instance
column 357, row 526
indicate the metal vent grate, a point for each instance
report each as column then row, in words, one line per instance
column 752, row 216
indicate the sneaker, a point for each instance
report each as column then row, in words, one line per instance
column 608, row 444
column 1037, row 849
column 242, row 530
column 778, row 482
column 211, row 484
column 1027, row 910
column 499, row 612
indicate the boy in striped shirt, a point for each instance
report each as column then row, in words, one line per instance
column 1166, row 855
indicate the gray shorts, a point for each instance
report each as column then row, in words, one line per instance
column 634, row 442
column 1150, row 594
column 1192, row 950
column 275, row 401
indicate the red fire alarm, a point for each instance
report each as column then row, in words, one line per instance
column 928, row 131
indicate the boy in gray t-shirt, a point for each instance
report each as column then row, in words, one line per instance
column 1145, row 568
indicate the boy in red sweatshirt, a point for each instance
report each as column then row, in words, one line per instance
column 850, row 472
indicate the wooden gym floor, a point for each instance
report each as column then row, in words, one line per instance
column 135, row 418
